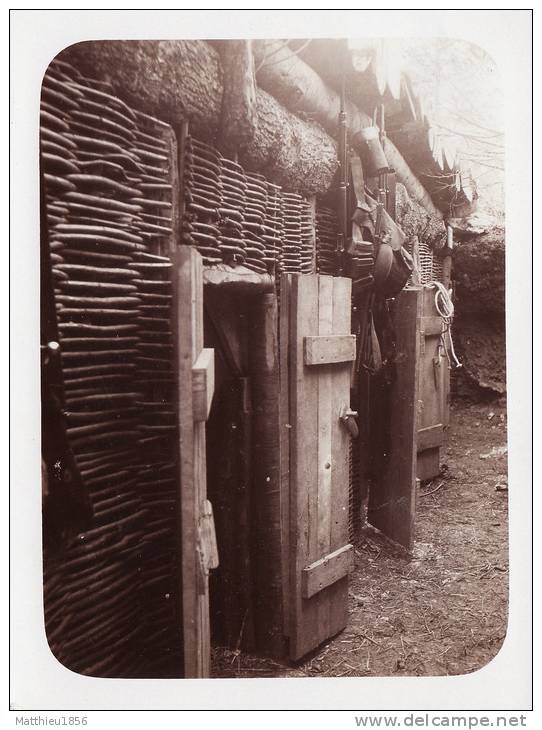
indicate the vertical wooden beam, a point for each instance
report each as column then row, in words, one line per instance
column 188, row 334
column 264, row 377
column 433, row 387
column 392, row 501
column 182, row 334
column 318, row 460
column 340, row 445
column 363, row 444
column 320, row 545
column 303, row 465
column 284, row 445
column 239, row 116
column 447, row 271
column 447, row 264
column 200, row 472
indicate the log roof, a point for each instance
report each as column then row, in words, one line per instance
column 294, row 142
column 374, row 76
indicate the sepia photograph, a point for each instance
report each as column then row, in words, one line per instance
column 273, row 356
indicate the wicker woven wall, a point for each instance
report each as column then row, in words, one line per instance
column 111, row 599
column 111, row 594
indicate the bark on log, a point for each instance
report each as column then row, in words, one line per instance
column 171, row 80
column 290, row 152
column 423, row 151
column 175, row 80
column 414, row 187
column 239, row 113
column 296, row 85
column 416, row 221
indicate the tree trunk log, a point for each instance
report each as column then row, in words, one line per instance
column 175, row 80
column 239, row 113
column 296, row 85
column 415, row 220
column 298, row 155
column 405, row 175
column 171, row 80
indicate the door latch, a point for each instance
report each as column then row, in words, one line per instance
column 348, row 418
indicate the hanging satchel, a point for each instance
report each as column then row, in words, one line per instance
column 399, row 273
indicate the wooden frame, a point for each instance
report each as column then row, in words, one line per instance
column 392, row 500
column 198, row 544
column 314, row 456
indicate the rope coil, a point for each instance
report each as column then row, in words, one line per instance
column 445, row 308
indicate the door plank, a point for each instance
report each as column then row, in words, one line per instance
column 324, row 415
column 182, row 329
column 318, row 459
column 188, row 293
column 326, row 571
column 429, row 437
column 285, row 433
column 303, row 465
column 203, row 384
column 445, row 395
column 433, row 389
column 392, row 503
column 322, row 546
column 200, row 471
column 325, row 350
column 428, row 464
column 264, row 374
column 430, row 324
column 208, row 537
column 340, row 447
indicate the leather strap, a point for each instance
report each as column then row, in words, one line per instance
column 358, row 184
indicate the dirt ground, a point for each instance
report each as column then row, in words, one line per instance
column 441, row 610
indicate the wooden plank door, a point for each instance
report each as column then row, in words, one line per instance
column 392, row 497
column 316, row 310
column 195, row 367
column 433, row 406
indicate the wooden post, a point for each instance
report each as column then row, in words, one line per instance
column 188, row 334
column 264, row 375
column 319, row 450
column 296, row 85
column 447, row 271
column 284, row 446
column 392, row 501
column 239, row 116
